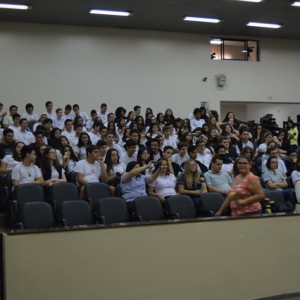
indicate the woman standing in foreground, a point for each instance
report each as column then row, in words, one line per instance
column 246, row 191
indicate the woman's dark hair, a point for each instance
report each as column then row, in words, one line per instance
column 108, row 161
column 73, row 155
column 268, row 164
column 290, row 121
column 188, row 126
column 140, row 152
column 15, row 155
column 138, row 118
column 76, row 120
column 131, row 165
column 52, row 140
column 227, row 116
column 46, row 166
column 80, row 142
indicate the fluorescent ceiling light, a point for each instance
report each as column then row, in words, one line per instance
column 205, row 20
column 215, row 42
column 13, row 6
column 264, row 25
column 110, row 12
column 296, row 3
column 256, row 1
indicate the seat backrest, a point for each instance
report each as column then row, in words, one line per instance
column 94, row 191
column 210, row 203
column 280, row 204
column 75, row 213
column 37, row 215
column 28, row 192
column 181, row 207
column 147, row 208
column 63, row 191
column 112, row 210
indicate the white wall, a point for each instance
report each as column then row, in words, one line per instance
column 127, row 67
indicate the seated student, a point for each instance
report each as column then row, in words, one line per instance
column 11, row 160
column 133, row 182
column 227, row 162
column 290, row 161
column 8, row 145
column 217, row 180
column 91, row 169
column 164, row 185
column 114, row 168
column 180, row 157
column 275, row 180
column 130, row 154
column 26, row 171
column 281, row 168
column 191, row 182
column 192, row 153
column 154, row 150
column 52, row 171
column 244, row 140
column 69, row 158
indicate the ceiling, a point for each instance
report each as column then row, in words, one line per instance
column 166, row 15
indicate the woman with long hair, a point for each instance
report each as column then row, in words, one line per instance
column 114, row 168
column 83, row 142
column 69, row 158
column 52, row 171
column 160, row 120
column 164, row 185
column 11, row 160
column 169, row 117
column 111, row 127
column 191, row 182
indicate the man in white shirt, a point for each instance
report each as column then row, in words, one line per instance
column 77, row 112
column 8, row 118
column 95, row 132
column 69, row 133
column 26, row 171
column 197, row 121
column 168, row 140
column 67, row 113
column 180, row 157
column 49, row 107
column 16, row 123
column 31, row 117
column 89, row 124
column 202, row 157
column 130, row 153
column 91, row 169
column 111, row 144
column 103, row 113
column 59, row 120
column 23, row 135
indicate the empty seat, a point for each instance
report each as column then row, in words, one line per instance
column 23, row 193
column 75, row 213
column 112, row 210
column 147, row 208
column 180, row 207
column 63, row 191
column 37, row 215
column 210, row 203
column 94, row 191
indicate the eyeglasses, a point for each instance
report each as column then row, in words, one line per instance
column 242, row 163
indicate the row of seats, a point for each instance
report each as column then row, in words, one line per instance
column 100, row 207
column 28, row 208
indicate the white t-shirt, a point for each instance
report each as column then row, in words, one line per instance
column 32, row 117
column 91, row 172
column 25, row 174
column 8, row 159
column 26, row 137
column 165, row 185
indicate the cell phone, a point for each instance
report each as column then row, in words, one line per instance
column 157, row 163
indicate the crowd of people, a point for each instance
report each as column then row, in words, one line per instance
column 153, row 154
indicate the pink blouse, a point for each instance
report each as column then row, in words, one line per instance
column 240, row 188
